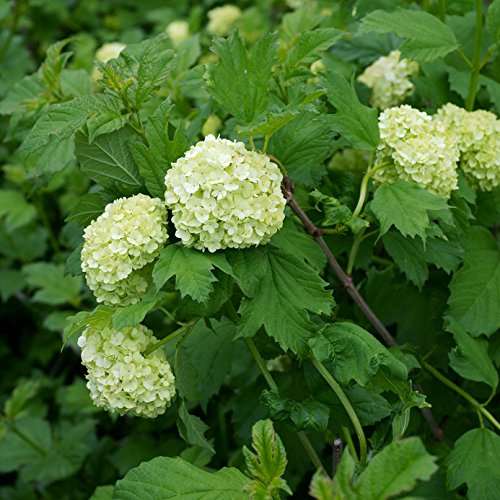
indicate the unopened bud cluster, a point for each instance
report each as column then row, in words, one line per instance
column 120, row 378
column 224, row 196
column 222, row 19
column 389, row 79
column 119, row 244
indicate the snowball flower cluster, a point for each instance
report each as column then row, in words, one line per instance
column 222, row 19
column 178, row 31
column 222, row 195
column 127, row 236
column 107, row 52
column 120, row 378
column 389, row 79
column 417, row 148
column 478, row 136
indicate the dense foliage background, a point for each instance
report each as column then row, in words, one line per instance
column 421, row 418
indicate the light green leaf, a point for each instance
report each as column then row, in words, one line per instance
column 75, row 82
column 108, row 160
column 354, row 354
column 493, row 19
column 249, row 268
column 192, row 270
column 427, row 38
column 302, row 146
column 396, row 469
column 53, row 286
column 308, row 47
column 79, row 321
column 20, row 94
column 89, row 207
column 475, row 287
column 474, row 461
column 103, row 493
column 268, row 463
column 192, row 429
column 16, row 210
column 354, row 121
column 321, row 487
column 164, row 149
column 239, row 80
column 287, row 292
column 470, row 358
column 166, row 478
column 25, row 391
column 406, row 206
column 204, row 350
column 132, row 315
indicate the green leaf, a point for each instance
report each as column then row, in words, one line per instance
column 192, row 270
column 89, row 207
column 370, row 406
column 103, row 493
column 134, row 314
column 474, row 461
column 53, row 286
column 79, row 321
column 308, row 47
column 239, row 80
column 20, row 94
column 192, row 429
column 268, row 463
column 292, row 239
column 287, row 292
column 16, row 210
column 249, row 268
column 321, row 487
column 164, row 149
column 427, row 38
column 408, row 255
column 108, row 160
column 166, row 478
column 406, row 206
column 302, row 146
column 24, row 392
column 493, row 19
column 396, row 469
column 11, row 282
column 470, row 358
column 75, row 82
column 475, row 287
column 354, row 354
column 353, row 121
column 204, row 350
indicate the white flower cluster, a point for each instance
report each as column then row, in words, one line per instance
column 119, row 244
column 222, row 19
column 178, row 31
column 222, row 195
column 120, row 378
column 417, row 148
column 107, row 52
column 478, row 137
column 389, row 79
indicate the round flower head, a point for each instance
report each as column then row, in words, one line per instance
column 125, row 238
column 107, row 52
column 222, row 19
column 178, row 31
column 389, row 79
column 120, row 378
column 478, row 136
column 223, row 195
column 417, row 149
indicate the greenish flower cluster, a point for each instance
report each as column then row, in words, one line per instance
column 119, row 244
column 120, row 378
column 417, row 148
column 389, row 79
column 478, row 137
column 178, row 31
column 222, row 19
column 224, row 196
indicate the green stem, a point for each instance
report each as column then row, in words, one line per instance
column 168, row 314
column 250, row 141
column 179, row 331
column 266, row 143
column 442, row 10
column 476, row 58
column 350, row 444
column 354, row 252
column 345, row 403
column 311, row 452
column 445, row 380
column 463, row 55
column 364, row 187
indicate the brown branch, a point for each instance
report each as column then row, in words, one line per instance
column 348, row 284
